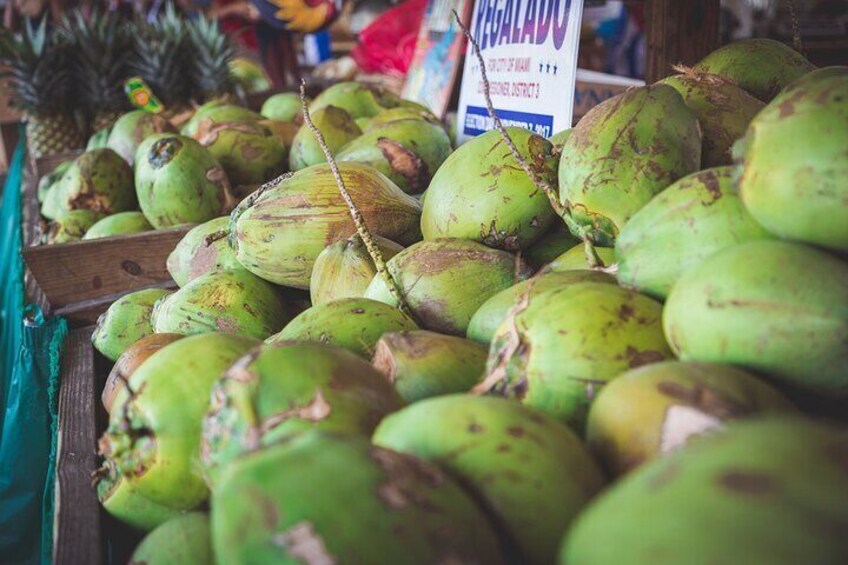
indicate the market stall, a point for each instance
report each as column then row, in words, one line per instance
column 369, row 322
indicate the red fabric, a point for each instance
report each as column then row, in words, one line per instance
column 240, row 30
column 387, row 45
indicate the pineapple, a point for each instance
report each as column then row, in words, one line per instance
column 103, row 45
column 37, row 65
column 162, row 57
column 212, row 52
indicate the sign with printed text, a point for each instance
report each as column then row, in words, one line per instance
column 432, row 75
column 530, row 51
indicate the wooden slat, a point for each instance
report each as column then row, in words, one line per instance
column 45, row 165
column 76, row 537
column 85, row 270
column 86, row 312
column 30, row 208
column 679, row 32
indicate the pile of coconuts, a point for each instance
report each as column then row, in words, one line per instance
column 148, row 172
column 650, row 369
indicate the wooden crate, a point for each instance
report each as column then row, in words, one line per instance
column 81, row 279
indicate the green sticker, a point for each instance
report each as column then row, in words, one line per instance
column 141, row 96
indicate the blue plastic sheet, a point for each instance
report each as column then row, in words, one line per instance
column 30, row 352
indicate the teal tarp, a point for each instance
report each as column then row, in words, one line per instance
column 30, row 350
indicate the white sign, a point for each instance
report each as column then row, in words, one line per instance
column 530, row 51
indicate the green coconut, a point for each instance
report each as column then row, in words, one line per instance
column 153, row 438
column 51, row 207
column 203, row 249
column 407, row 151
column 178, row 181
column 489, row 317
column 363, row 123
column 481, row 192
column 216, row 112
column 575, row 259
column 118, row 224
column 284, row 131
column 322, row 498
column 777, row 308
column 134, row 127
column 287, row 388
column 120, row 499
column 400, row 113
column 529, row 472
column 71, row 226
column 817, row 75
column 249, row 152
column 798, row 190
column 338, row 129
column 723, row 110
column 623, row 152
column 279, row 233
column 689, row 221
column 345, row 269
column 445, row 281
column 232, row 301
column 763, row 67
column 355, row 324
column 358, row 100
column 98, row 140
column 558, row 139
column 98, row 180
column 554, row 243
column 771, row 490
column 130, row 360
column 650, row 411
column 126, row 321
column 423, row 364
column 249, row 75
column 48, row 180
column 184, row 539
column 283, row 106
column 558, row 350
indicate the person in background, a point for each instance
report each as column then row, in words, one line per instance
column 237, row 19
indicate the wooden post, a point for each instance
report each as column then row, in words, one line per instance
column 679, row 32
column 77, row 519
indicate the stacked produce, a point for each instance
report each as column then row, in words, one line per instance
column 628, row 369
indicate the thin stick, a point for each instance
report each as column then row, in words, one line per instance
column 553, row 197
column 362, row 229
column 796, row 27
column 215, row 236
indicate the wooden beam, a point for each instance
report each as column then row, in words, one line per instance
column 86, row 270
column 679, row 32
column 77, row 531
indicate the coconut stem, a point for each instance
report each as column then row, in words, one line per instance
column 796, row 27
column 361, row 229
column 126, row 423
column 543, row 185
column 215, row 236
column 511, row 343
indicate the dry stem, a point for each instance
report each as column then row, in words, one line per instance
column 796, row 27
column 362, row 229
column 215, row 236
